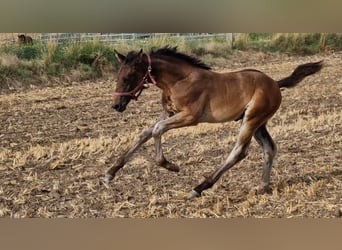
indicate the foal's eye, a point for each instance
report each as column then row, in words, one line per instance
column 126, row 79
column 129, row 78
column 136, row 66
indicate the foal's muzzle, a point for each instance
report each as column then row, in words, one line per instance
column 118, row 107
column 122, row 104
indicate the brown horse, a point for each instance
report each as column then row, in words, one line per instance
column 192, row 93
column 23, row 39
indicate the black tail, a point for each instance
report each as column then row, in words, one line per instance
column 299, row 74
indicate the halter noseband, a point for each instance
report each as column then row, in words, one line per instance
column 135, row 93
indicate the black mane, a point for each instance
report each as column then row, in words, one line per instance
column 172, row 52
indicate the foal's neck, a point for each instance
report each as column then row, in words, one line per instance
column 169, row 71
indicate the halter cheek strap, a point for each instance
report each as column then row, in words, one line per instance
column 135, row 93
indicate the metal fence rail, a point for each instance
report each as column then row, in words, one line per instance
column 11, row 38
column 117, row 37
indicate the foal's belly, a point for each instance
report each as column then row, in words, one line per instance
column 227, row 99
column 224, row 108
column 222, row 114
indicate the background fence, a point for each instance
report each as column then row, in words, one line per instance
column 10, row 38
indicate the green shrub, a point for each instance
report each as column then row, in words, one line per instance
column 259, row 36
column 241, row 42
column 29, row 52
column 333, row 41
column 89, row 72
column 7, row 72
column 53, row 69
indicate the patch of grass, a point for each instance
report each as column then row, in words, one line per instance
column 332, row 41
column 303, row 44
column 291, row 43
column 7, row 72
column 53, row 69
column 96, row 59
column 29, row 52
column 50, row 50
column 241, row 42
column 152, row 43
column 214, row 47
column 26, row 63
column 24, row 73
column 24, row 52
column 88, row 72
column 259, row 36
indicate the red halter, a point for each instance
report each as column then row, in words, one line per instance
column 135, row 93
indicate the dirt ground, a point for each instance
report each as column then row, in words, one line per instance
column 56, row 143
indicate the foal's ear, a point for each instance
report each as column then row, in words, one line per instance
column 139, row 56
column 120, row 57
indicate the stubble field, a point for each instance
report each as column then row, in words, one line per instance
column 56, row 143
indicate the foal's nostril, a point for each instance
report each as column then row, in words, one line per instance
column 119, row 107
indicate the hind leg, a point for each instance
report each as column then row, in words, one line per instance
column 238, row 153
column 270, row 149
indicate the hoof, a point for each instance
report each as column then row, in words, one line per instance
column 263, row 190
column 170, row 166
column 107, row 178
column 193, row 194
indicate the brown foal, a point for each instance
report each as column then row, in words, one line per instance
column 192, row 93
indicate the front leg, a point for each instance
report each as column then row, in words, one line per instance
column 122, row 160
column 179, row 120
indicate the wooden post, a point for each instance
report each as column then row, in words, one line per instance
column 230, row 37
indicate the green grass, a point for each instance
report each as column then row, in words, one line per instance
column 59, row 60
column 24, row 52
column 290, row 43
column 54, row 60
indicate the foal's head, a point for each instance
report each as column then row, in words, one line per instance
column 131, row 75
